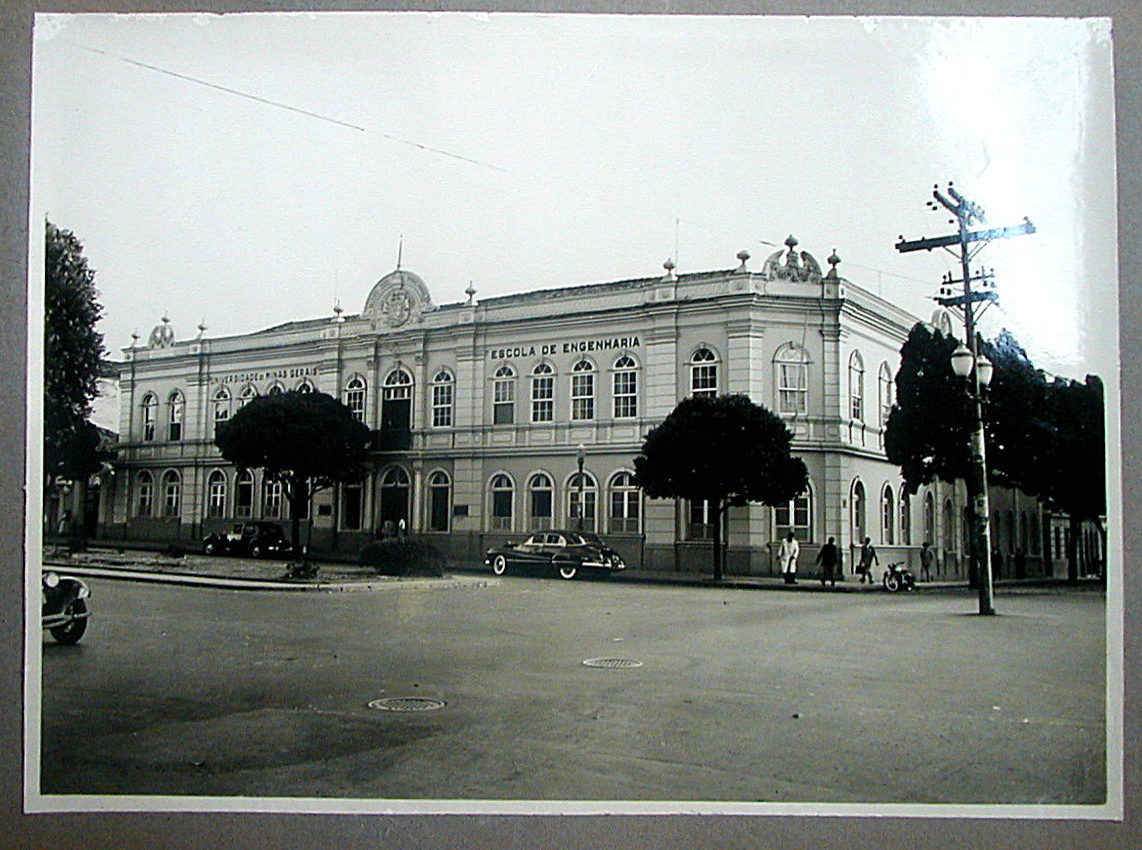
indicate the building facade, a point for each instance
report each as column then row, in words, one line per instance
column 479, row 410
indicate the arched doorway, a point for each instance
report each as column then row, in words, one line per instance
column 394, row 501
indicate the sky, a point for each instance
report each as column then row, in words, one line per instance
column 247, row 170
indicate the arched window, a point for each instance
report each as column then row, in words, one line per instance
column 581, row 499
column 172, row 494
column 221, row 405
column 503, row 396
column 150, row 406
column 791, row 365
column 248, row 392
column 886, row 386
column 887, row 517
column 275, row 389
column 244, row 495
column 355, row 397
column 146, row 489
column 583, row 390
column 175, row 407
column 216, row 494
column 626, row 387
column 502, row 498
column 439, row 500
column 541, row 501
column 859, row 519
column 542, row 393
column 856, row 387
column 930, row 519
column 394, row 500
column 626, row 504
column 905, row 519
column 396, row 403
column 795, row 515
column 442, row 391
column 271, row 499
column 304, row 387
column 703, row 373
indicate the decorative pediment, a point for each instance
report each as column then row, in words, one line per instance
column 792, row 265
column 397, row 299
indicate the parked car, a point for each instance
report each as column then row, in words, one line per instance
column 256, row 539
column 567, row 552
column 64, row 606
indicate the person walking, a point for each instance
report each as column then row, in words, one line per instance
column 828, row 558
column 867, row 559
column 927, row 561
column 787, row 556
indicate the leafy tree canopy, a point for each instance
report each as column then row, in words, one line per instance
column 721, row 448
column 724, row 450
column 72, row 347
column 307, row 441
column 1044, row 437
column 1075, row 459
column 72, row 354
column 930, row 425
column 296, row 437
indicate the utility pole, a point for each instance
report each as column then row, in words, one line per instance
column 966, row 213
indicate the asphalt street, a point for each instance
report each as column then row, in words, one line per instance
column 740, row 695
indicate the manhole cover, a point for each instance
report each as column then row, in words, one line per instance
column 612, row 663
column 406, row 704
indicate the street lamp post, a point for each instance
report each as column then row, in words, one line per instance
column 580, row 457
column 971, row 302
column 963, row 358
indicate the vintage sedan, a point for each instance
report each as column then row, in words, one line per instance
column 568, row 552
column 256, row 539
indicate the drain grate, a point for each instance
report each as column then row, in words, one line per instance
column 406, row 704
column 612, row 663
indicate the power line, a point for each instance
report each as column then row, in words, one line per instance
column 279, row 105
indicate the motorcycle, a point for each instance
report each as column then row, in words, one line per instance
column 64, row 610
column 898, row 577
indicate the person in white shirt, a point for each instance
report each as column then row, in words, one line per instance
column 787, row 556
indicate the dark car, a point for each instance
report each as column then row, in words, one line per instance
column 256, row 539
column 64, row 606
column 568, row 552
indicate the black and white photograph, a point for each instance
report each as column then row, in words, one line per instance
column 567, row 414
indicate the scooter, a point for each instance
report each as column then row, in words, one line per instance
column 64, row 610
column 898, row 577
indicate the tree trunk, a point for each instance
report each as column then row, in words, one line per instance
column 298, row 495
column 78, row 535
column 716, row 507
column 1102, row 554
column 1073, row 546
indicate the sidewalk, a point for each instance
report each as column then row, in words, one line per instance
column 124, row 563
column 237, row 573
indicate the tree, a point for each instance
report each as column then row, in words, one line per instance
column 929, row 428
column 306, row 441
column 1044, row 438
column 1076, row 459
column 724, row 450
column 72, row 354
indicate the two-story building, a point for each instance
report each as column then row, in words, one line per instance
column 479, row 409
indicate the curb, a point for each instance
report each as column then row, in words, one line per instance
column 188, row 580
